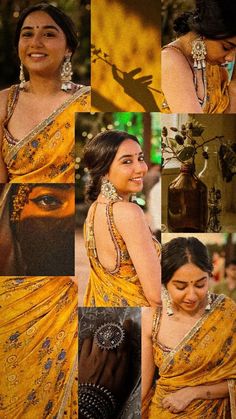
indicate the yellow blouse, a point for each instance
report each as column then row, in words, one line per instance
column 46, row 154
column 206, row 355
column 38, row 348
column 120, row 287
column 217, row 96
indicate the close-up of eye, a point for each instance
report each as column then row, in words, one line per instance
column 47, row 202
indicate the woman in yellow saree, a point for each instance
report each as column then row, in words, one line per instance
column 190, row 340
column 201, row 61
column 37, row 116
column 38, row 348
column 116, row 232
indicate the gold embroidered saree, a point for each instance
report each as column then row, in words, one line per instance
column 206, row 355
column 38, row 348
column 120, row 287
column 46, row 154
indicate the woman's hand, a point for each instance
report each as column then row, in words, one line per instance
column 178, row 401
column 108, row 368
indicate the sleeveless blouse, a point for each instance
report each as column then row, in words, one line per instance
column 121, row 286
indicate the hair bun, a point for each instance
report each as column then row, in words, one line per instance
column 181, row 23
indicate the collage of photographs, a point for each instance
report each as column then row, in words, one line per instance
column 117, row 209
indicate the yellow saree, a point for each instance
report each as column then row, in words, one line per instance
column 217, row 89
column 120, row 287
column 46, row 154
column 206, row 355
column 38, row 348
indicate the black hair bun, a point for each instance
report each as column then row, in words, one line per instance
column 181, row 23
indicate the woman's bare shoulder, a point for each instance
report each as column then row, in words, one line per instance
column 124, row 210
column 175, row 59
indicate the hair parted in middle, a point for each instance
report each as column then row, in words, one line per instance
column 180, row 251
column 99, row 153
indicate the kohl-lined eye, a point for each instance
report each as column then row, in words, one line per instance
column 47, row 202
column 180, row 288
column 141, row 158
column 49, row 34
column 26, row 34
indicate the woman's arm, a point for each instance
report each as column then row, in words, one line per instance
column 232, row 97
column 3, row 107
column 132, row 225
column 179, row 400
column 148, row 366
column 177, row 83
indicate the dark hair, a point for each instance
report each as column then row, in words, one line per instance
column 179, row 252
column 99, row 154
column 214, row 19
column 61, row 19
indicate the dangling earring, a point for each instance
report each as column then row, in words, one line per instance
column 199, row 53
column 66, row 73
column 22, row 77
column 209, row 301
column 109, row 191
column 166, row 298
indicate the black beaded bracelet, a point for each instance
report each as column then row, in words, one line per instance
column 96, row 402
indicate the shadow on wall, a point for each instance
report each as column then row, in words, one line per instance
column 126, row 67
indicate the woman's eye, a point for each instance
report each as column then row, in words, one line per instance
column 49, row 34
column 26, row 34
column 127, row 161
column 141, row 158
column 47, row 202
column 180, row 289
column 200, row 286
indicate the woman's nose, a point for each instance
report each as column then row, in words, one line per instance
column 36, row 40
column 191, row 293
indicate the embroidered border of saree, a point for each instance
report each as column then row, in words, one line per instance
column 206, row 355
column 46, row 153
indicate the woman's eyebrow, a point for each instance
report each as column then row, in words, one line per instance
column 186, row 282
column 43, row 27
column 231, row 43
column 131, row 155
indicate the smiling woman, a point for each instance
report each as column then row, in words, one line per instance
column 124, row 257
column 190, row 340
column 37, row 115
column 199, row 59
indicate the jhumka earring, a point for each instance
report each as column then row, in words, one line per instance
column 166, row 298
column 209, row 301
column 109, row 191
column 22, row 77
column 19, row 200
column 66, row 74
column 199, row 53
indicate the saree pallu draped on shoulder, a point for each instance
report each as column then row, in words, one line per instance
column 46, row 154
column 205, row 356
column 38, row 347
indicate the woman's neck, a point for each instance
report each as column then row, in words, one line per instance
column 42, row 86
column 184, row 42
